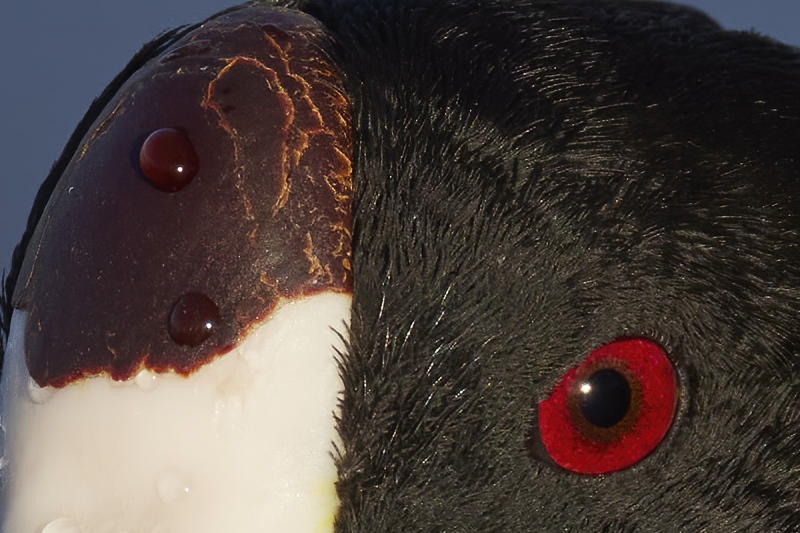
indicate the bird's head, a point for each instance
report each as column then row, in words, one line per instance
column 364, row 266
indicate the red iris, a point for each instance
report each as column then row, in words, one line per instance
column 611, row 410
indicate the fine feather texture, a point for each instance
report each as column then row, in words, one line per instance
column 534, row 180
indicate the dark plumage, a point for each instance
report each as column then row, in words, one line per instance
column 537, row 179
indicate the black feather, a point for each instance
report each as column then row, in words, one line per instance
column 534, row 180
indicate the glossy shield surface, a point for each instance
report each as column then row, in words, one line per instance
column 266, row 217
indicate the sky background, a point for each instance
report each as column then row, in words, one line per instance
column 56, row 56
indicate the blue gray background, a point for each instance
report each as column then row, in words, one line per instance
column 56, row 56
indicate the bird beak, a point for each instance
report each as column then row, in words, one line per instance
column 245, row 443
column 172, row 360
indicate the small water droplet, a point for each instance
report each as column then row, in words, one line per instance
column 171, row 487
column 228, row 412
column 193, row 319
column 146, row 380
column 39, row 395
column 168, row 159
column 62, row 525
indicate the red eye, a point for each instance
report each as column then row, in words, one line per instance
column 610, row 411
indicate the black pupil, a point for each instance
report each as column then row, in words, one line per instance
column 605, row 397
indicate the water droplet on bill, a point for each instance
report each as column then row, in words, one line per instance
column 168, row 159
column 146, row 380
column 171, row 487
column 39, row 395
column 62, row 525
column 193, row 319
